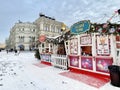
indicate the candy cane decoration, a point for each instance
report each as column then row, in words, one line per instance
column 108, row 21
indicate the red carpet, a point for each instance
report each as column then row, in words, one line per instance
column 41, row 65
column 92, row 81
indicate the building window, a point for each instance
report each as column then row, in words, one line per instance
column 53, row 28
column 33, row 30
column 31, row 39
column 45, row 27
column 21, row 38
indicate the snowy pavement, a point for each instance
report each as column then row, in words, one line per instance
column 18, row 72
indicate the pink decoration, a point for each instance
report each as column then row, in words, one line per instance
column 105, row 25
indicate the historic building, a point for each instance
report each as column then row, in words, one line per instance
column 48, row 26
column 24, row 35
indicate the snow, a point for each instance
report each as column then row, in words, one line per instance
column 53, row 37
column 18, row 72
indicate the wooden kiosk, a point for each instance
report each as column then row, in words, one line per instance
column 45, row 50
column 91, row 52
column 52, row 51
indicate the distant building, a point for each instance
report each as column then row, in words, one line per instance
column 24, row 35
column 7, row 41
column 2, row 46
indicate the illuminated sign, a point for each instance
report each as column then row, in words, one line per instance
column 80, row 27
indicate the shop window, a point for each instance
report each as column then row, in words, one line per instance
column 43, row 45
column 66, row 43
column 86, row 50
column 61, row 50
column 47, row 50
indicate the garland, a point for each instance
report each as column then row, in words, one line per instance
column 105, row 28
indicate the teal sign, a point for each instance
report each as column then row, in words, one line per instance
column 80, row 27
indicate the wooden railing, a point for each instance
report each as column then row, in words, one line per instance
column 59, row 61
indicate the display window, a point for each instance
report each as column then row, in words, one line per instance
column 86, row 50
column 102, row 45
column 86, row 40
column 74, row 46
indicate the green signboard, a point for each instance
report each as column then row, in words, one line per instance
column 80, row 27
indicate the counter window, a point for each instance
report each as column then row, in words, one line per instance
column 86, row 50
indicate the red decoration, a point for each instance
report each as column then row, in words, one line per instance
column 42, row 38
column 104, row 31
column 117, row 38
column 118, row 30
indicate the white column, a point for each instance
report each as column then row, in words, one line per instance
column 49, row 48
column 113, row 49
column 93, row 44
column 79, row 49
column 94, row 50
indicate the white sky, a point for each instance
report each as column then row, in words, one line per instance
column 67, row 11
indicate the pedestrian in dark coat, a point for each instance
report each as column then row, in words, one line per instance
column 15, row 52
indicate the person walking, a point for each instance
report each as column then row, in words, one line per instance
column 7, row 51
column 15, row 51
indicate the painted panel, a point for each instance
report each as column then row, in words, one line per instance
column 74, row 61
column 45, row 57
column 103, row 45
column 86, row 40
column 74, row 46
column 87, row 63
column 103, row 63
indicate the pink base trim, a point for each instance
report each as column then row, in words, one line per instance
column 97, row 75
column 47, row 63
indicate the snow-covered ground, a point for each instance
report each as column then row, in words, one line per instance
column 18, row 72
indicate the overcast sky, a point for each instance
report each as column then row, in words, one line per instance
column 67, row 11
